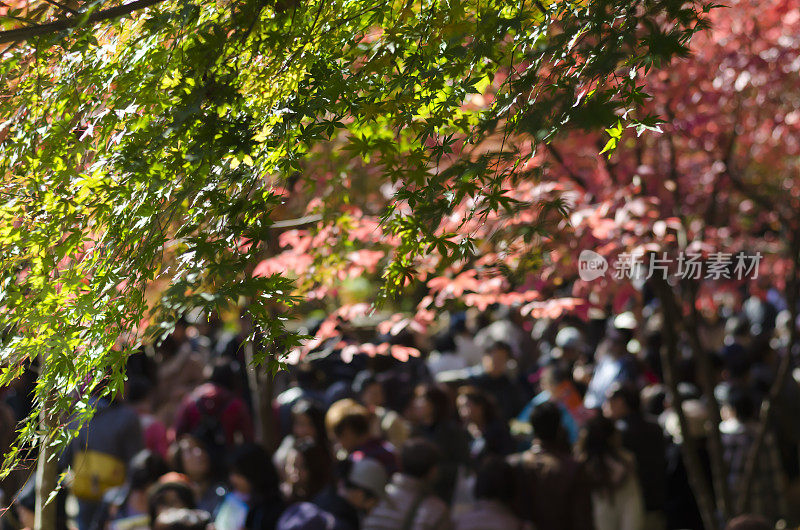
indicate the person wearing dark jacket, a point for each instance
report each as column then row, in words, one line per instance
column 493, row 493
column 494, row 378
column 100, row 454
column 645, row 439
column 552, row 490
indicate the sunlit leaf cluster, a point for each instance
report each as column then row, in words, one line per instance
column 145, row 158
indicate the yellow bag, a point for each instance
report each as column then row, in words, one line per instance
column 94, row 473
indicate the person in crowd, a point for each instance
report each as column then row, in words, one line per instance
column 493, row 376
column 213, row 411
column 652, row 342
column 308, row 471
column 140, row 392
column 11, row 482
column 557, row 385
column 307, row 422
column 388, row 424
column 463, row 326
column 738, row 430
column 504, row 328
column 444, row 357
column 190, row 456
column 489, row 434
column 182, row 519
column 410, row 503
column 100, row 453
column 254, row 501
column 785, row 406
column 646, row 441
column 171, row 491
column 305, row 384
column 681, row 506
column 614, row 363
column 493, row 493
column 593, row 386
column 342, row 505
column 349, row 425
column 736, row 350
column 616, row 494
column 126, row 506
column 551, row 487
column 569, row 351
column 181, row 368
column 432, row 418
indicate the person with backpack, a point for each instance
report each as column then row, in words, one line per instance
column 213, row 412
column 410, row 503
column 99, row 455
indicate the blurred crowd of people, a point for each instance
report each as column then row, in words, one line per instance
column 503, row 422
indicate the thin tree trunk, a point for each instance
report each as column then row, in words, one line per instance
column 784, row 369
column 719, row 471
column 268, row 423
column 669, row 355
column 255, row 394
column 46, row 475
column 261, row 388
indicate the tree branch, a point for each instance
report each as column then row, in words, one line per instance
column 291, row 223
column 62, row 6
column 688, row 445
column 719, row 470
column 572, row 175
column 23, row 34
column 673, row 162
column 782, row 376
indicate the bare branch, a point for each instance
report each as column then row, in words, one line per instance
column 669, row 357
column 784, row 371
column 23, row 34
column 572, row 175
column 291, row 223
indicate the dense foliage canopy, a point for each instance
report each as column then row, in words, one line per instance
column 148, row 149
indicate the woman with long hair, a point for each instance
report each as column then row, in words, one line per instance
column 480, row 415
column 192, row 457
column 254, row 501
column 308, row 470
column 307, row 422
column 433, row 418
column 616, row 493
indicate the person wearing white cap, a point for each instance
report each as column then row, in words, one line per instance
column 410, row 503
column 340, row 507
